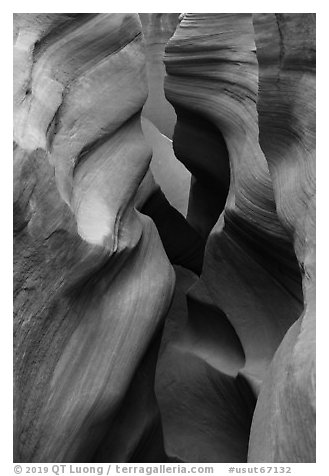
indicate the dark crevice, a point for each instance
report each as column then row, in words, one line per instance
column 183, row 245
column 53, row 127
column 201, row 147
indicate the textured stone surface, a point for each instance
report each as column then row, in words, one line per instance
column 92, row 282
column 158, row 115
column 157, row 29
column 250, row 286
column 284, row 423
column 173, row 178
column 232, row 367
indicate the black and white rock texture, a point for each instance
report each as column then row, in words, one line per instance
column 118, row 356
column 243, row 89
column 92, row 280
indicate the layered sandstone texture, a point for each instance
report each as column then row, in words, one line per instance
column 283, row 428
column 92, row 280
column 243, row 89
column 124, row 125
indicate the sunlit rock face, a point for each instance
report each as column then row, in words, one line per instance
column 92, row 281
column 246, row 133
column 119, row 356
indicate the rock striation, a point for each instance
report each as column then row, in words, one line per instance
column 92, row 281
column 118, row 356
column 283, row 428
column 252, row 193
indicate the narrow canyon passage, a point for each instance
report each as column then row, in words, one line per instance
column 164, row 237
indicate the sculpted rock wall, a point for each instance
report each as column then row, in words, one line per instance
column 284, row 423
column 234, row 371
column 93, row 283
column 158, row 115
column 157, row 29
column 250, row 288
column 168, row 205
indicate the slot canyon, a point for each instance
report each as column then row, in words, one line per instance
column 164, row 237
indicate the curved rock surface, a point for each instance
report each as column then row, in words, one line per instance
column 250, row 286
column 93, row 282
column 171, row 175
column 158, row 115
column 284, row 423
column 98, row 223
column 157, row 29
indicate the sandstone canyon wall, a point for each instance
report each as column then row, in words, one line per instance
column 113, row 360
column 92, row 281
column 286, row 56
column 158, row 115
column 246, row 126
column 157, row 30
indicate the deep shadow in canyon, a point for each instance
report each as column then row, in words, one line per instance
column 164, row 238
